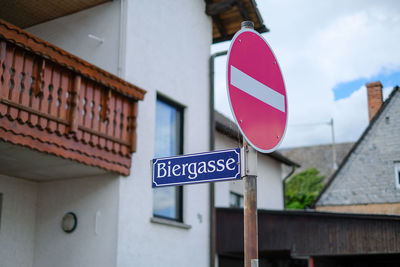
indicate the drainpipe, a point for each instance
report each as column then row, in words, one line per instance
column 211, row 108
column 212, row 148
column 284, row 184
column 122, row 38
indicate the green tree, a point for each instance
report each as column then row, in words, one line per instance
column 302, row 189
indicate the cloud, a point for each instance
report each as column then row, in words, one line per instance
column 351, row 116
column 386, row 92
column 320, row 44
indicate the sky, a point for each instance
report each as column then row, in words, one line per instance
column 327, row 50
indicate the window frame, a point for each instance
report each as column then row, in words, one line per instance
column 397, row 174
column 1, row 207
column 180, row 109
column 238, row 197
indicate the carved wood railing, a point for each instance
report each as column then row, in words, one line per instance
column 54, row 102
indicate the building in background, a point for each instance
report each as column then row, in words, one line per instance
column 319, row 157
column 368, row 180
column 270, row 173
column 323, row 239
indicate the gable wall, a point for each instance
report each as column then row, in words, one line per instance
column 368, row 175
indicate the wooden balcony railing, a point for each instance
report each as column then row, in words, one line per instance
column 54, row 102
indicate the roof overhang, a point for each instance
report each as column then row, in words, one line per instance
column 228, row 14
column 26, row 13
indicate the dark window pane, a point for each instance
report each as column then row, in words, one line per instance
column 165, row 202
column 166, row 130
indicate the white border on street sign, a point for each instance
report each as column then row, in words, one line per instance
column 229, row 98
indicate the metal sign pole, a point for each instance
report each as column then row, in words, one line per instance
column 251, row 68
column 250, row 205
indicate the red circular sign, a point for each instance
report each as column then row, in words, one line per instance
column 256, row 91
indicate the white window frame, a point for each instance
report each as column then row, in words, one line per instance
column 1, row 206
column 237, row 197
column 397, row 174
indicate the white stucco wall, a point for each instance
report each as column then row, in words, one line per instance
column 92, row 197
column 222, row 189
column 17, row 226
column 71, row 34
column 167, row 50
column 269, row 183
column 30, row 227
column 94, row 242
column 168, row 46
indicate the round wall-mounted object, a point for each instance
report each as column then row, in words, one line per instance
column 69, row 222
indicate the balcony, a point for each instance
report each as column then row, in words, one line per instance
column 56, row 103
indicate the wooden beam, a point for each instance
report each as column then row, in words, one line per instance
column 220, row 7
column 75, row 112
column 242, row 10
column 218, row 22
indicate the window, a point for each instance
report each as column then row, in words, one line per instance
column 167, row 201
column 235, row 200
column 397, row 174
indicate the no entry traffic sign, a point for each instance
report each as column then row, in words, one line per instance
column 256, row 91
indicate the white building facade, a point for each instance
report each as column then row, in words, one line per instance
column 167, row 58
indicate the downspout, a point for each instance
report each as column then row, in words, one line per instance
column 122, row 39
column 212, row 148
column 284, row 183
column 212, row 89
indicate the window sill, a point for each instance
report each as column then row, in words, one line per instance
column 170, row 223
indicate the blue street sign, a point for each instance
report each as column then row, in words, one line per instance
column 212, row 166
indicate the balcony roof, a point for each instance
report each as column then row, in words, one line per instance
column 16, row 161
column 26, row 13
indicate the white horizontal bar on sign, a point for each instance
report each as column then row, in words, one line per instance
column 256, row 89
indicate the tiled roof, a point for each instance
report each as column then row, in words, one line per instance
column 319, row 157
column 367, row 167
